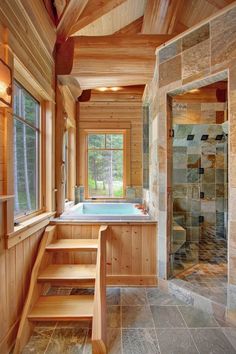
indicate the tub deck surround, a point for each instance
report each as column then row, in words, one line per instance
column 131, row 249
column 105, row 211
column 203, row 55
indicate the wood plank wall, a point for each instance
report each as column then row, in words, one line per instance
column 15, row 270
column 27, row 34
column 100, row 112
column 131, row 251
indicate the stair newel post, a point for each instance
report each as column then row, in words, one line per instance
column 99, row 318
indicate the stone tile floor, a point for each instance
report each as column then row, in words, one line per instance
column 139, row 321
column 209, row 276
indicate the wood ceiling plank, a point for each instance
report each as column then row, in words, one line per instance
column 93, row 11
column 69, row 17
column 132, row 28
column 161, row 16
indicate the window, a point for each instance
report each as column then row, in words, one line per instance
column 105, row 178
column 26, row 151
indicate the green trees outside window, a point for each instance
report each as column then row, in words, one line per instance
column 105, row 165
column 26, row 151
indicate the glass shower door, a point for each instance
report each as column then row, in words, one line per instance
column 186, row 221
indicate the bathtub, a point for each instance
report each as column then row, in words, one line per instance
column 104, row 211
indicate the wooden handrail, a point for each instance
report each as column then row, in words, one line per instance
column 99, row 312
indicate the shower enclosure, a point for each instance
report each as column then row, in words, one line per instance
column 199, row 194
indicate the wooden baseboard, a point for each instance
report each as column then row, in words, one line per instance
column 132, row 280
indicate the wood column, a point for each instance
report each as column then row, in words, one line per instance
column 59, row 163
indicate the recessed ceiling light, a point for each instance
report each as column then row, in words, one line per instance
column 194, row 90
column 115, row 88
column 102, row 89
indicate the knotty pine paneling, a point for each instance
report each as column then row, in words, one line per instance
column 15, row 271
column 131, row 251
column 101, row 113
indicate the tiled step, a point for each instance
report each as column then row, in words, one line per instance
column 73, row 245
column 64, row 272
column 62, row 308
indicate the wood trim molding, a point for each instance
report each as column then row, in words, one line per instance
column 83, row 163
column 28, row 228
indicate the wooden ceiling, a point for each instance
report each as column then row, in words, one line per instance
column 122, row 54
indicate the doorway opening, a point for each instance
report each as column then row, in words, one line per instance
column 198, row 250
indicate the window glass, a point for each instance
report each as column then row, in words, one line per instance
column 96, row 141
column 114, row 141
column 105, row 166
column 26, row 152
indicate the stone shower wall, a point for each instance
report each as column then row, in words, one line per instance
column 204, row 54
column 189, row 156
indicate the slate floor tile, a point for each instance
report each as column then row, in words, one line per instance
column 113, row 296
column 67, row 341
column 157, row 297
column 139, row 341
column 196, row 318
column 114, row 340
column 39, row 341
column 137, row 317
column 230, row 333
column 113, row 317
column 212, row 341
column 167, row 317
column 175, row 341
column 133, row 296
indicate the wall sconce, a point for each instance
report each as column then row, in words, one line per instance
column 5, row 85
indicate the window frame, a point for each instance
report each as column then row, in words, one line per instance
column 125, row 160
column 40, row 154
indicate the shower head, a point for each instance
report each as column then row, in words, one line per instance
column 219, row 137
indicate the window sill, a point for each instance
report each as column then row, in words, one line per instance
column 27, row 228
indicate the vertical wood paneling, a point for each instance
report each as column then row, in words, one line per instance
column 131, row 248
column 136, row 249
column 15, row 271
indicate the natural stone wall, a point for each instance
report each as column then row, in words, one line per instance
column 204, row 55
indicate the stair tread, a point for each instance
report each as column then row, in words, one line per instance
column 73, row 244
column 68, row 272
column 70, row 307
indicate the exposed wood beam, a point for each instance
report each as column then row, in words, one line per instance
column 220, row 4
column 132, row 28
column 69, row 17
column 85, row 96
column 72, row 85
column 51, row 10
column 161, row 16
column 60, row 6
column 94, row 10
column 109, row 60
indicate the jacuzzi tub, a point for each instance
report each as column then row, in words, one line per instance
column 104, row 211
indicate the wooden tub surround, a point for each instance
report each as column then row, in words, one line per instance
column 131, row 249
column 39, row 307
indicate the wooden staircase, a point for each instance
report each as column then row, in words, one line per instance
column 39, row 307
